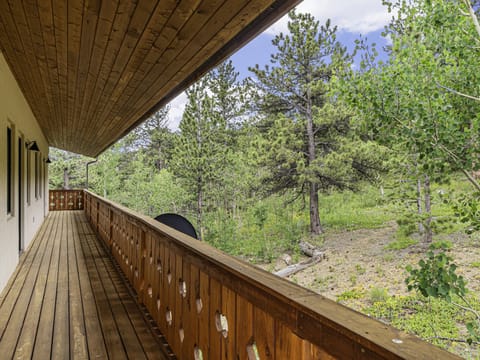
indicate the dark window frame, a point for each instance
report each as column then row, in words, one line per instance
column 10, row 170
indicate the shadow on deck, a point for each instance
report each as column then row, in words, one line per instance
column 67, row 300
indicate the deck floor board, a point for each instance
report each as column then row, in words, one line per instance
column 66, row 299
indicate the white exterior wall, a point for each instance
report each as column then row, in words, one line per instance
column 16, row 114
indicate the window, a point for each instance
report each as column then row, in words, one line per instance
column 40, row 174
column 29, row 172
column 37, row 187
column 10, row 163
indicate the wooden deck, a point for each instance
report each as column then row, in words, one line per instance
column 67, row 300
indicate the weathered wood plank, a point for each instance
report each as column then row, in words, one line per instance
column 178, row 15
column 229, row 310
column 60, row 16
column 143, row 344
column 204, row 315
column 46, row 27
column 61, row 324
column 10, row 294
column 264, row 334
column 93, row 330
column 287, row 345
column 191, row 323
column 215, row 310
column 213, row 33
column 162, row 253
column 26, row 339
column 113, row 341
column 244, row 327
column 171, row 290
column 78, row 339
column 43, row 338
column 102, row 34
column 99, row 98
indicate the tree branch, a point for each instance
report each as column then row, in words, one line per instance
column 465, row 172
column 473, row 16
column 457, row 92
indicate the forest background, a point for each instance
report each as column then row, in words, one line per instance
column 323, row 143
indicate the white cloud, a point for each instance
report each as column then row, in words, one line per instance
column 175, row 114
column 355, row 16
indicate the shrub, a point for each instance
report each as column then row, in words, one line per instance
column 378, row 295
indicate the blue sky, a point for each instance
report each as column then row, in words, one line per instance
column 353, row 17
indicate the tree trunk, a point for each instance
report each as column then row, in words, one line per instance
column 200, row 207
column 66, row 179
column 315, row 225
column 428, row 210
column 421, row 228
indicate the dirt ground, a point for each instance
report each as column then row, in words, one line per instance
column 359, row 260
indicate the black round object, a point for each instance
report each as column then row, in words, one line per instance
column 178, row 222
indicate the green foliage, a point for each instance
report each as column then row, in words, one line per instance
column 467, row 209
column 377, row 294
column 441, row 244
column 363, row 209
column 436, row 277
column 429, row 319
column 406, row 103
column 200, row 150
column 67, row 164
column 401, row 242
column 306, row 143
column 353, row 294
column 360, row 269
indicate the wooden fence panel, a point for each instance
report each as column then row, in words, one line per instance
column 65, row 200
column 204, row 300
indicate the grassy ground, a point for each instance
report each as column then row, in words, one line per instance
column 366, row 255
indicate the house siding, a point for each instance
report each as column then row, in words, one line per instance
column 15, row 113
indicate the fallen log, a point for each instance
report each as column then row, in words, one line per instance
column 294, row 268
column 309, row 249
column 315, row 254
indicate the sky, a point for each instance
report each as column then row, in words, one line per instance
column 353, row 18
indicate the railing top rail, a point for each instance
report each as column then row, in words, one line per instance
column 308, row 314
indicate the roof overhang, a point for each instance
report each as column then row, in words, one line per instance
column 92, row 70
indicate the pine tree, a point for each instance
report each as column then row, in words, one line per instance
column 304, row 128
column 200, row 148
column 155, row 139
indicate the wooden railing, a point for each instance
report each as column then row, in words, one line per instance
column 65, row 200
column 207, row 302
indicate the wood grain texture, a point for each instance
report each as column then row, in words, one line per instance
column 91, row 70
column 282, row 319
column 67, row 300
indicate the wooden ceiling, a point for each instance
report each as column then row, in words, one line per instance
column 92, row 70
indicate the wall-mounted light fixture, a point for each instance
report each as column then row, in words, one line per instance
column 32, row 146
column 48, row 161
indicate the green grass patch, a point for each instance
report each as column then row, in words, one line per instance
column 401, row 242
column 442, row 244
column 353, row 294
column 348, row 210
column 427, row 318
column 378, row 294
